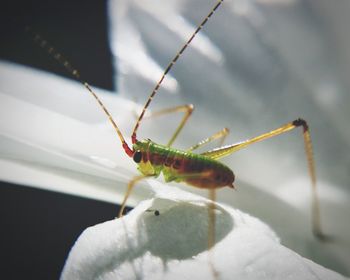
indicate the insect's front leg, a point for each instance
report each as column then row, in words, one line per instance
column 128, row 192
column 187, row 109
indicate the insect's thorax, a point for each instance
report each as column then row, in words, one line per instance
column 181, row 166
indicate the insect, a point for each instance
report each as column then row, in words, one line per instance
column 201, row 170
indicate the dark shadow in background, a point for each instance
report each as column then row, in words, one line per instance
column 39, row 227
column 78, row 29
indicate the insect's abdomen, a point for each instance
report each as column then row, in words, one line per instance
column 203, row 172
column 193, row 169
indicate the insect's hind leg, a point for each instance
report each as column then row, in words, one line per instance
column 227, row 150
column 187, row 109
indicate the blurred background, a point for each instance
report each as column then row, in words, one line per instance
column 256, row 65
column 39, row 227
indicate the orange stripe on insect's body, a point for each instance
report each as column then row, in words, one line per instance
column 193, row 169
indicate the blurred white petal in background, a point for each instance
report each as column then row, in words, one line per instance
column 265, row 63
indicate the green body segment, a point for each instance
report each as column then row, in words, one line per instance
column 181, row 166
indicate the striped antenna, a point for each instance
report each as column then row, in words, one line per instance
column 74, row 72
column 171, row 64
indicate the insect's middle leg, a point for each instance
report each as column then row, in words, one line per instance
column 187, row 109
column 220, row 134
column 211, row 230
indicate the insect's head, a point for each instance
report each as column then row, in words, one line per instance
column 140, row 148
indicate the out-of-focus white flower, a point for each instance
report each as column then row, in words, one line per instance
column 265, row 63
column 174, row 245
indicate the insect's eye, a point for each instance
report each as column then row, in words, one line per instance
column 137, row 156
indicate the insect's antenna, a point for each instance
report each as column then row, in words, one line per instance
column 74, row 72
column 171, row 64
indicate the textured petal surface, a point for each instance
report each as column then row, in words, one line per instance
column 173, row 245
